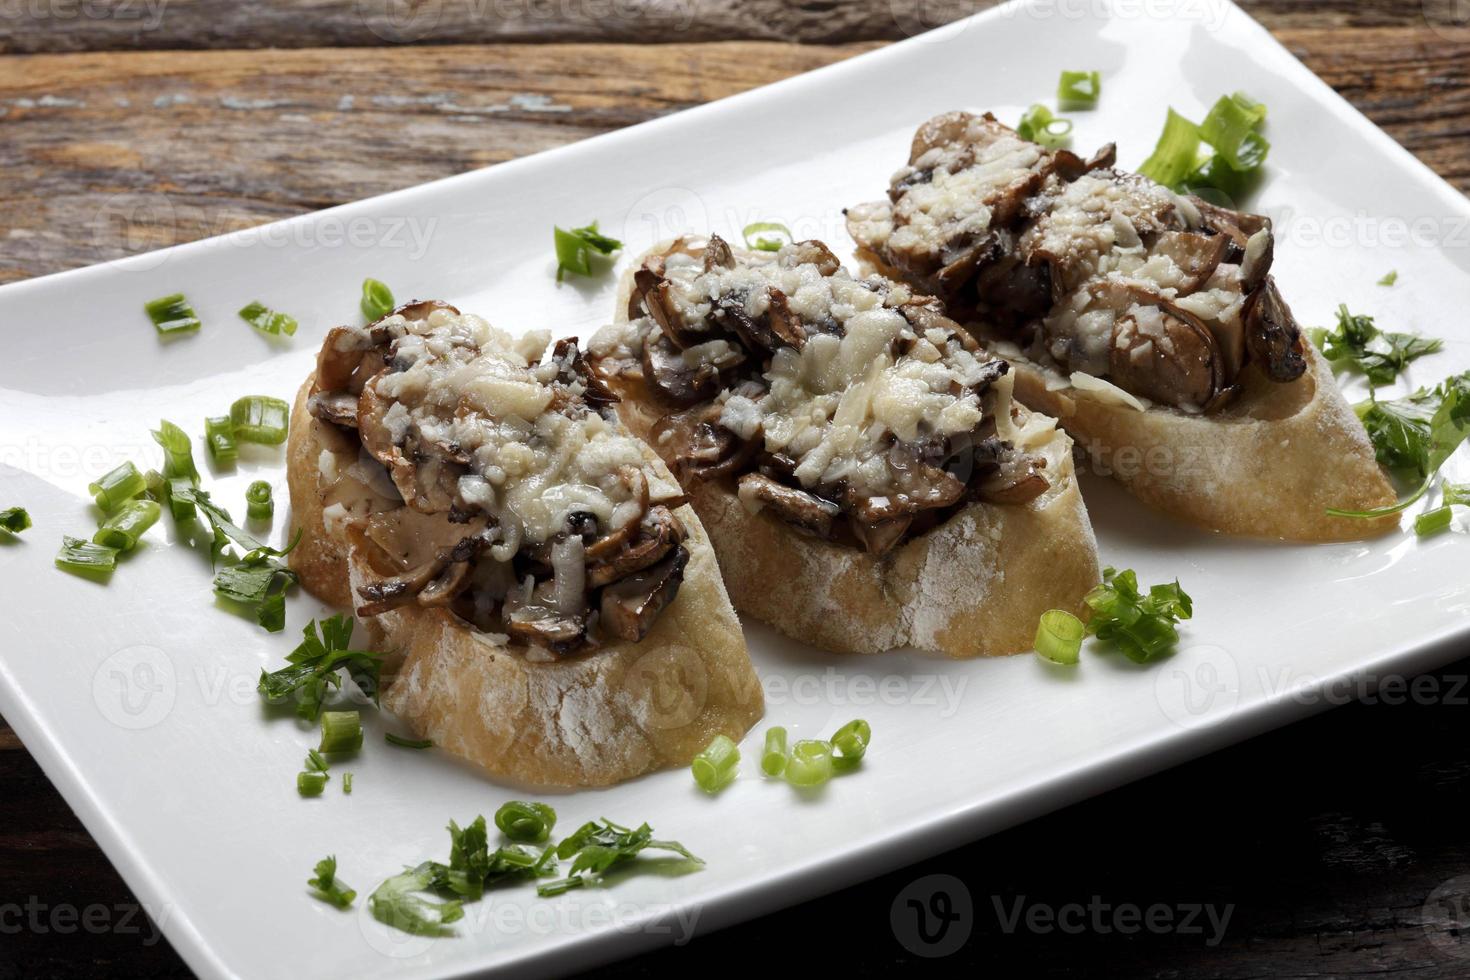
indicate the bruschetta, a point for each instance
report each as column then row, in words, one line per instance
column 1146, row 321
column 551, row 603
column 866, row 478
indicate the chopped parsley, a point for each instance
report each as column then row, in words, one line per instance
column 600, row 846
column 1143, row 627
column 408, row 743
column 258, row 578
column 313, row 668
column 1380, row 355
column 14, row 519
column 326, row 886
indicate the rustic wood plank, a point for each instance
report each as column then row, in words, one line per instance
column 271, row 134
column 34, row 26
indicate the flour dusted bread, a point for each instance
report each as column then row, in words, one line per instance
column 1146, row 321
column 965, row 578
column 576, row 634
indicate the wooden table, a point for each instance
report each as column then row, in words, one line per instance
column 194, row 117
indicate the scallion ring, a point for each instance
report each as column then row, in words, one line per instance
column 1433, row 521
column 377, row 300
column 341, row 732
column 219, row 436
column 810, row 763
column 260, row 418
column 311, row 783
column 258, row 503
column 762, row 244
column 716, row 766
column 529, row 823
column 123, row 528
column 850, row 743
column 773, row 759
column 117, row 486
column 85, row 557
column 1059, row 636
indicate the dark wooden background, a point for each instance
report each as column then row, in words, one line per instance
column 194, row 117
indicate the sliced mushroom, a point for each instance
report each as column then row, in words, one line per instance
column 398, row 590
column 1272, row 335
column 630, row 607
column 671, row 376
column 1022, row 291
column 347, row 359
column 605, row 546
column 659, row 531
column 961, row 265
column 651, row 290
column 535, row 620
column 1196, row 254
column 812, row 252
column 804, row 510
column 574, row 368
column 1171, row 357
column 717, row 254
column 337, row 407
column 785, row 324
column 446, row 585
column 700, row 446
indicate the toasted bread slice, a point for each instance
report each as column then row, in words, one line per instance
column 587, row 719
column 974, row 585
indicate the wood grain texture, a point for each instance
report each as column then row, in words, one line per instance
column 114, row 153
column 109, row 25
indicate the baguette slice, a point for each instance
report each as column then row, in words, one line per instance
column 975, row 585
column 590, row 719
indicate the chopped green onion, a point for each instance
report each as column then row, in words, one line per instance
column 267, row 320
column 315, row 762
column 1433, row 521
column 1039, row 126
column 1144, row 627
column 14, row 519
column 258, row 503
column 761, row 243
column 260, row 418
column 574, row 249
column 395, row 903
column 1079, row 89
column 1390, row 278
column 602, row 845
column 408, row 743
column 716, row 766
column 810, row 763
column 123, row 529
column 377, row 300
column 528, row 822
column 172, row 314
column 1175, row 156
column 347, row 783
column 219, row 436
column 1059, row 636
column 773, row 759
column 178, row 452
column 1457, row 493
column 1230, row 127
column 341, row 731
column 118, row 486
column 85, row 557
column 311, row 783
column 851, row 743
column 326, row 886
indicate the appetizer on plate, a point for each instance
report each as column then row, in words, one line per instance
column 1145, row 320
column 865, row 476
column 554, row 607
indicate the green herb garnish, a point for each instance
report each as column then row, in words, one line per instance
column 326, row 886
column 258, row 503
column 259, row 578
column 408, row 743
column 1143, row 627
column 1231, row 129
column 528, row 822
column 716, row 767
column 172, row 314
column 1059, row 636
column 315, row 762
column 762, row 244
column 123, row 528
column 267, row 320
column 1390, row 278
column 377, row 300
column 14, row 519
column 1380, row 355
column 312, row 669
column 397, row 902
column 260, row 418
column 574, row 249
column 1175, row 156
column 85, row 557
column 1419, row 447
column 600, row 846
column 1039, row 126
column 1079, row 89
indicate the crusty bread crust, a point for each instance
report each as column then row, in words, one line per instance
column 975, row 585
column 1269, row 466
column 588, row 720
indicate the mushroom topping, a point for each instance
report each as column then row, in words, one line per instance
column 532, row 617
column 1165, row 354
column 784, row 324
column 345, row 362
column 804, row 510
column 446, row 585
column 660, row 530
column 398, row 590
column 652, row 293
column 1196, row 254
column 700, row 446
column 629, row 607
column 1272, row 335
column 337, row 407
column 609, row 543
column 813, row 252
column 880, row 537
column 669, row 371
column 717, row 254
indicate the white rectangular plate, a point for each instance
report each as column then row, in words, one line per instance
column 138, row 698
